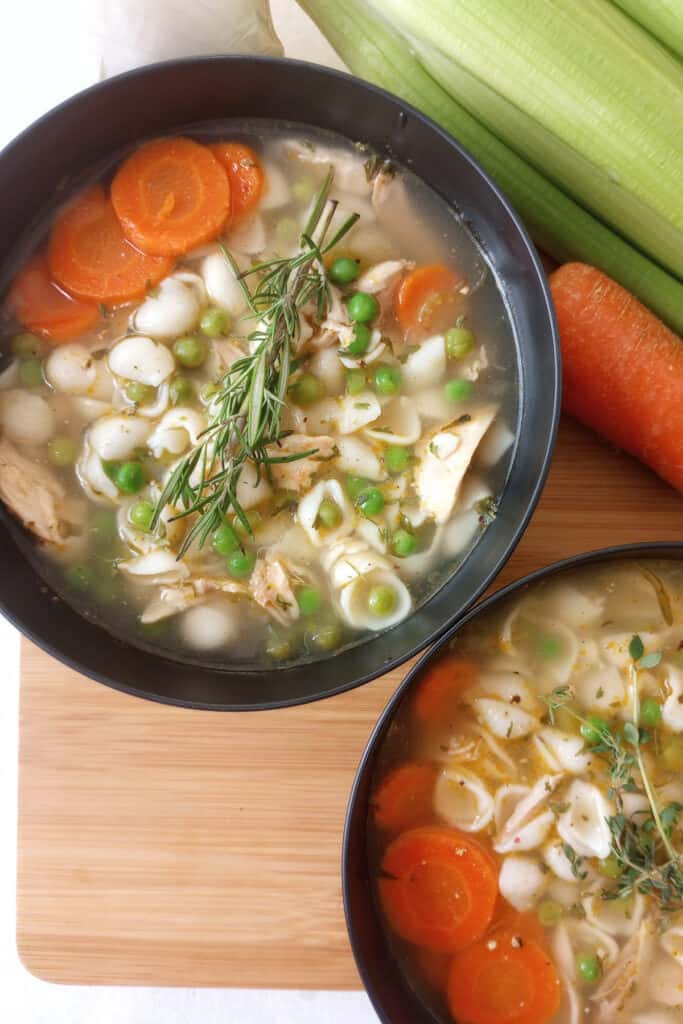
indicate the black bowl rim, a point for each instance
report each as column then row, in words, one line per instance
column 546, row 444
column 646, row 549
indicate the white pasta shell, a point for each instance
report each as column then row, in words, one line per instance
column 510, row 688
column 521, row 881
column 26, row 418
column 564, row 751
column 117, row 437
column 141, row 359
column 252, row 487
column 248, row 237
column 583, row 825
column 71, row 369
column 375, row 348
column 521, row 815
column 374, row 535
column 573, row 936
column 570, row 605
column 600, row 689
column 148, row 411
column 499, row 439
column 357, row 458
column 89, row 409
column 617, row 917
column 354, row 412
column 461, row 799
column 400, row 423
column 672, row 708
column 672, row 939
column 208, row 626
column 665, row 981
column 325, row 365
column 223, row 287
column 275, row 191
column 177, row 430
column 426, row 366
column 309, row 506
column 172, row 310
column 554, row 856
column 353, row 601
column 504, row 720
column 94, row 480
column 433, row 405
column 155, row 567
column 347, row 561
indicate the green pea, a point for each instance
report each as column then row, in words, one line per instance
column 214, row 322
column 307, row 389
column 650, row 713
column 588, row 967
column 287, row 229
column 325, row 636
column 303, row 190
column 62, row 451
column 672, row 755
column 397, row 458
column 209, row 390
column 549, row 913
column 355, row 381
column 155, row 631
column 309, row 600
column 382, row 600
column 609, row 867
column 31, row 373
column 361, row 340
column 278, row 646
column 362, row 307
column 458, row 390
column 548, row 646
column 329, row 514
column 344, row 271
column 103, row 527
column 240, row 563
column 387, row 379
column 370, row 502
column 190, row 351
column 27, row 345
column 141, row 394
column 459, row 341
column 253, row 518
column 129, row 477
column 403, row 544
column 80, row 577
column 354, row 485
column 225, row 540
column 594, row 729
column 141, row 515
column 180, row 390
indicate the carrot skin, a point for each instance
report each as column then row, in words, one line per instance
column 622, row 368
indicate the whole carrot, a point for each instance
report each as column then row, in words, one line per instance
column 622, row 368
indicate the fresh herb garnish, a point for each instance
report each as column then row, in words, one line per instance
column 487, row 510
column 575, row 862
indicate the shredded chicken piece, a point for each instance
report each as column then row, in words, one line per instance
column 180, row 596
column 34, row 495
column 271, row 587
column 383, row 276
column 619, row 986
column 297, row 475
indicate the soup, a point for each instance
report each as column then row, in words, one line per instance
column 261, row 395
column 525, row 826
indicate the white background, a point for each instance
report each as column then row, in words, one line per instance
column 40, row 64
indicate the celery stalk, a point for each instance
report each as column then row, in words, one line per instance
column 593, row 81
column 661, row 18
column 562, row 228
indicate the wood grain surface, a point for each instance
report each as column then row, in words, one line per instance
column 160, row 846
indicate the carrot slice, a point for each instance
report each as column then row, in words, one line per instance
column 527, row 925
column 171, row 196
column 438, row 888
column 89, row 256
column 245, row 175
column 441, row 688
column 403, row 798
column 425, row 294
column 41, row 306
column 622, row 369
column 503, row 980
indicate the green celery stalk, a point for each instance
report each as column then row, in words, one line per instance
column 561, row 227
column 593, row 81
column 661, row 18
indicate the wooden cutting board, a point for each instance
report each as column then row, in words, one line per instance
column 160, row 846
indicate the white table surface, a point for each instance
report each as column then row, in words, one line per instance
column 37, row 69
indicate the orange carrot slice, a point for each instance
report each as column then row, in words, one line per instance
column 440, row 690
column 89, row 256
column 171, row 196
column 438, row 888
column 425, row 294
column 622, row 368
column 41, row 306
column 245, row 175
column 503, row 980
column 526, row 925
column 403, row 798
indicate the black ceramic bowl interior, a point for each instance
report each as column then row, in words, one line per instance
column 394, row 999
column 42, row 164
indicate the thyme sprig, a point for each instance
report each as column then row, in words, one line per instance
column 246, row 409
column 641, row 843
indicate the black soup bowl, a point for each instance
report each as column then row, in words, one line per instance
column 394, row 998
column 45, row 163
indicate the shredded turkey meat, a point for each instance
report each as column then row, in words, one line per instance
column 297, row 475
column 34, row 495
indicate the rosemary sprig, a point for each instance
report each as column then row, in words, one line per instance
column 641, row 844
column 247, row 408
